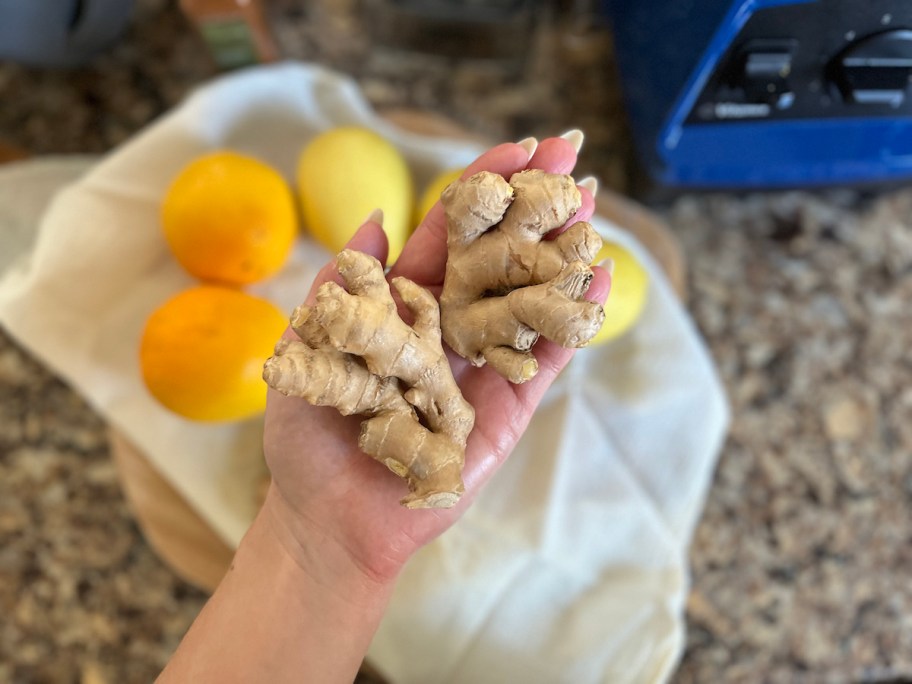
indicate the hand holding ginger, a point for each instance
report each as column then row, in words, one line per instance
column 504, row 286
column 321, row 473
column 310, row 581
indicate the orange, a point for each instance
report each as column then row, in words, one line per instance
column 202, row 352
column 229, row 218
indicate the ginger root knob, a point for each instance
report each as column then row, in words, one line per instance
column 505, row 285
column 356, row 354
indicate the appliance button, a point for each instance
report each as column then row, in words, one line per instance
column 876, row 69
column 764, row 76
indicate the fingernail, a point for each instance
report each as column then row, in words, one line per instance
column 529, row 144
column 376, row 216
column 590, row 183
column 607, row 264
column 575, row 137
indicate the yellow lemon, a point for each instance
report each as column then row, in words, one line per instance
column 629, row 285
column 432, row 193
column 202, row 352
column 343, row 175
column 229, row 218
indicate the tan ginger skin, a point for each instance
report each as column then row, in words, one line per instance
column 504, row 284
column 504, row 287
column 357, row 355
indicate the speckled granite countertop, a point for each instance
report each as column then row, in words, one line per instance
column 801, row 563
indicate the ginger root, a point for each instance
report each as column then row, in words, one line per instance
column 504, row 284
column 356, row 354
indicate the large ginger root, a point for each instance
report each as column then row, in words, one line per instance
column 358, row 355
column 504, row 285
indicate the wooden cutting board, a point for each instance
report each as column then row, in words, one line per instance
column 178, row 534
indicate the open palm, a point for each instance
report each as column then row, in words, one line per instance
column 322, row 481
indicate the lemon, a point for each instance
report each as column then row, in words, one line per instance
column 346, row 173
column 229, row 218
column 202, row 352
column 432, row 193
column 629, row 286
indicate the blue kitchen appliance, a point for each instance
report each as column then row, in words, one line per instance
column 767, row 93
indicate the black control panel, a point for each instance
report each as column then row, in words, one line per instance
column 823, row 59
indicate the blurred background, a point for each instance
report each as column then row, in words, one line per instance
column 799, row 277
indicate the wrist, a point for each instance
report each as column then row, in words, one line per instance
column 322, row 557
column 288, row 609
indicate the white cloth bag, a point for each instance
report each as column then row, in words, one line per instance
column 572, row 564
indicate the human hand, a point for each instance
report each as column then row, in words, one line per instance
column 325, row 490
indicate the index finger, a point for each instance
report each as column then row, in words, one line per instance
column 423, row 259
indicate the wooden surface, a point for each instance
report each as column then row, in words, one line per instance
column 179, row 536
column 651, row 231
column 9, row 153
column 185, row 542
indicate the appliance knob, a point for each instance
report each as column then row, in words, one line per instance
column 876, row 69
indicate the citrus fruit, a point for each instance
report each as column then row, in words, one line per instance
column 229, row 218
column 346, row 173
column 202, row 352
column 629, row 285
column 432, row 193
